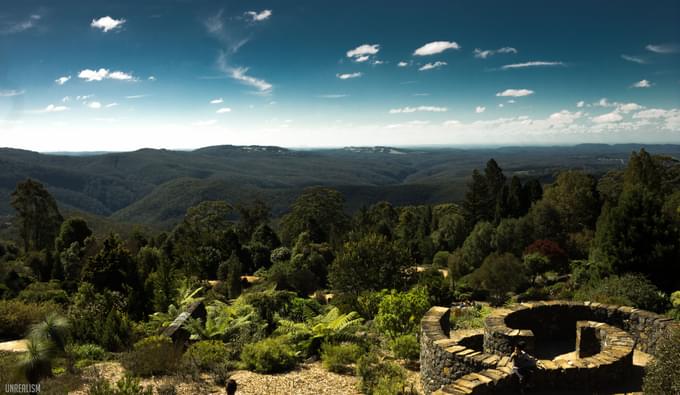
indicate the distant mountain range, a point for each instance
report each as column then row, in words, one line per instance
column 156, row 186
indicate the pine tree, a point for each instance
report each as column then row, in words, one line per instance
column 477, row 199
column 234, row 277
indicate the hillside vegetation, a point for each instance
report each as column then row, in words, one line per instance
column 156, row 187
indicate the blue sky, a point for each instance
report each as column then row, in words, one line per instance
column 101, row 75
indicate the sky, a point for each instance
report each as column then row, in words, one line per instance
column 180, row 74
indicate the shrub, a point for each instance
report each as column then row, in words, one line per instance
column 128, row 385
column 441, row 259
column 270, row 355
column 17, row 316
column 629, row 290
column 400, row 312
column 394, row 385
column 438, row 288
column 470, row 318
column 152, row 355
column 662, row 373
column 207, row 355
column 91, row 352
column 371, row 370
column 406, row 347
column 336, row 357
column 44, row 292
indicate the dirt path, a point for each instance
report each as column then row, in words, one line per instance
column 14, row 346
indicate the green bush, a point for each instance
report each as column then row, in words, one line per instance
column 270, row 355
column 17, row 316
column 406, row 347
column 128, row 385
column 394, row 385
column 44, row 292
column 207, row 355
column 376, row 377
column 90, row 352
column 628, row 290
column 151, row 356
column 662, row 373
column 469, row 318
column 336, row 357
column 400, row 312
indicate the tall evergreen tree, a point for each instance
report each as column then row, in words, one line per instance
column 477, row 200
column 38, row 215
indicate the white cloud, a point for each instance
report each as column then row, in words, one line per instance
column 402, row 64
column 239, row 74
column 480, row 109
column 452, row 123
column 511, row 101
column 53, row 108
column 435, row 47
column 501, row 105
column 259, row 16
column 604, row 103
column 84, row 97
column 515, row 93
column 102, row 74
column 152, row 78
column 95, row 105
column 106, row 23
column 628, row 107
column 610, row 117
column 121, row 76
column 405, row 110
column 538, row 63
column 633, row 59
column 217, row 101
column 18, row 27
column 652, row 113
column 346, row 76
column 92, row 75
column 663, row 48
column 333, row 96
column 580, row 104
column 642, row 84
column 132, row 97
column 377, row 62
column 223, row 110
column 483, row 54
column 114, row 104
column 432, row 66
column 62, row 80
column 363, row 52
column 564, row 117
column 11, row 92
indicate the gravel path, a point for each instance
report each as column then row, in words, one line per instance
column 308, row 379
column 14, row 346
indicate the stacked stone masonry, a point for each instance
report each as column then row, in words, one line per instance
column 454, row 362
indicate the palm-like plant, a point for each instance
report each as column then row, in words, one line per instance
column 54, row 328
column 36, row 362
column 186, row 296
column 223, row 321
column 332, row 327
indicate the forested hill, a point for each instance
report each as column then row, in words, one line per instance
column 156, row 187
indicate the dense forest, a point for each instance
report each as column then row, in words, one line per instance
column 324, row 282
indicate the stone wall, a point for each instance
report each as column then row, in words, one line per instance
column 444, row 358
column 452, row 363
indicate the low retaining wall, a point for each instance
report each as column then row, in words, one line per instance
column 452, row 363
column 444, row 358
